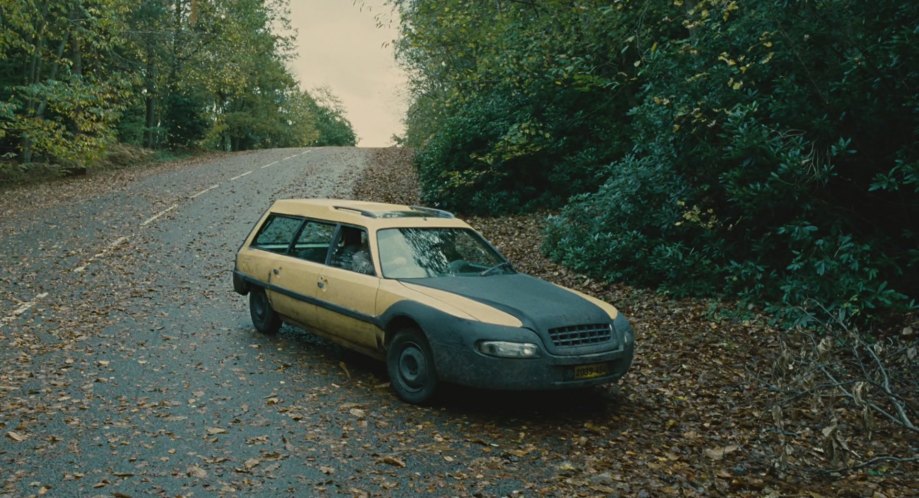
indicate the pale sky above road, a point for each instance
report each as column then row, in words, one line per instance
column 341, row 47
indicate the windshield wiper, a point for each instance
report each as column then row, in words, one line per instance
column 503, row 264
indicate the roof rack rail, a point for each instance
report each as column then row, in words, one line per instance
column 356, row 210
column 439, row 213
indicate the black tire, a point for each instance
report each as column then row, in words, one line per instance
column 410, row 363
column 264, row 318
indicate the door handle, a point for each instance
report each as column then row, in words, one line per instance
column 276, row 271
column 321, row 282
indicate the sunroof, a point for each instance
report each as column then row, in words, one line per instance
column 405, row 214
column 413, row 212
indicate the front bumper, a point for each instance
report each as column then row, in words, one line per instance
column 459, row 361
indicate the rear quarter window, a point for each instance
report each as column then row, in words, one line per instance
column 277, row 233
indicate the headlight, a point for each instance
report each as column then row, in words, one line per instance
column 628, row 337
column 504, row 349
column 621, row 325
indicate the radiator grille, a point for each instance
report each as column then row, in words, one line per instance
column 579, row 335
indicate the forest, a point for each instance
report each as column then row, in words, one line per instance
column 761, row 152
column 79, row 76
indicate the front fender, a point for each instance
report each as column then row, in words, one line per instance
column 452, row 338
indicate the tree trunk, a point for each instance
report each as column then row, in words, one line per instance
column 39, row 111
column 150, row 98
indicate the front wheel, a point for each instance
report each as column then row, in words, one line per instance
column 411, row 366
column 264, row 318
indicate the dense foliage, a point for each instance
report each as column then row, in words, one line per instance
column 765, row 150
column 77, row 75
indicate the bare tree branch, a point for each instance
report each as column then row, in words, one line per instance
column 869, row 463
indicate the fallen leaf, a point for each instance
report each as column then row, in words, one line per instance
column 719, row 453
column 391, row 460
column 272, row 456
column 195, row 471
column 596, row 429
column 567, row 468
column 358, row 493
column 15, row 436
column 215, row 430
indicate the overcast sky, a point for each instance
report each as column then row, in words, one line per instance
column 341, row 47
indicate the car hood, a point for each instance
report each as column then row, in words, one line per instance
column 538, row 304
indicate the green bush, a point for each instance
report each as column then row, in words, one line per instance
column 638, row 245
column 765, row 150
column 791, row 133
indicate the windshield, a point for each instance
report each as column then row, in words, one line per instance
column 437, row 252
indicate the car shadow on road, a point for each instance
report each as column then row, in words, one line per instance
column 545, row 406
column 584, row 405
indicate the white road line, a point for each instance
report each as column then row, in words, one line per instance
column 116, row 243
column 269, row 164
column 107, row 250
column 212, row 187
column 237, row 177
column 157, row 215
column 24, row 307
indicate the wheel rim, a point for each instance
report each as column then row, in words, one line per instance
column 413, row 367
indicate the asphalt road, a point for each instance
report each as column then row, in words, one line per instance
column 130, row 368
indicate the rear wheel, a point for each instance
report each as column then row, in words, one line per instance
column 411, row 366
column 264, row 318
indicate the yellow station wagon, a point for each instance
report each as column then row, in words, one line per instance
column 424, row 292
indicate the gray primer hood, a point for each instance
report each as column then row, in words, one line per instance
column 540, row 305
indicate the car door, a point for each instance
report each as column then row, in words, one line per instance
column 296, row 276
column 273, row 243
column 347, row 289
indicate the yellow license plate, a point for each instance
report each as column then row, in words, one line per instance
column 591, row 371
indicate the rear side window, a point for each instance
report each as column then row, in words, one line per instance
column 314, row 241
column 277, row 233
column 352, row 252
